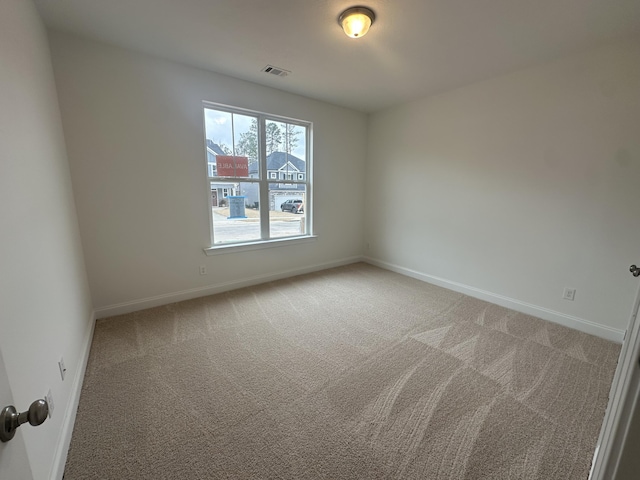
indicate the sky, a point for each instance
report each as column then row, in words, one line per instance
column 219, row 128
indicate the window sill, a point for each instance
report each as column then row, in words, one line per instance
column 259, row 245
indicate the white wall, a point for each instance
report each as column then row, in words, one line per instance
column 45, row 309
column 133, row 126
column 518, row 186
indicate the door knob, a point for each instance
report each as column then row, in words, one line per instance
column 635, row 270
column 10, row 419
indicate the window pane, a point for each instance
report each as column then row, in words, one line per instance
column 286, row 161
column 235, row 212
column 232, row 144
column 284, row 140
column 287, row 212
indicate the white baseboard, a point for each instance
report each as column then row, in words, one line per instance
column 149, row 302
column 69, row 420
column 570, row 321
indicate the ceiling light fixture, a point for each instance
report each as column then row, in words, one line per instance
column 355, row 21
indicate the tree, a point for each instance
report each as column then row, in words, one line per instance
column 248, row 143
column 225, row 148
column 274, row 137
column 290, row 138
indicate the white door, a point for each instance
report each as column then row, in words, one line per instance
column 14, row 463
column 616, row 452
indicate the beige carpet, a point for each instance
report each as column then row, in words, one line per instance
column 349, row 373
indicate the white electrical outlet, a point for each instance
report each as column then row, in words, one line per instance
column 203, row 270
column 63, row 369
column 49, row 399
column 569, row 294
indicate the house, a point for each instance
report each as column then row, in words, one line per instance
column 213, row 150
column 283, row 166
column 219, row 191
column 493, row 152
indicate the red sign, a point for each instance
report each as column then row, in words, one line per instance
column 229, row 166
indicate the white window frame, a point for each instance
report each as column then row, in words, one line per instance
column 263, row 180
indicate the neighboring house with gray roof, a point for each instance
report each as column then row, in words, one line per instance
column 281, row 169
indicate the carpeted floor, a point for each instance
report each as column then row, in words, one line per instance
column 349, row 373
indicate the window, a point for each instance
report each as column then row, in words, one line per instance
column 244, row 150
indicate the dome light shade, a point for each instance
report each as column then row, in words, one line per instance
column 355, row 21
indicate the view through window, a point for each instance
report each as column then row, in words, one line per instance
column 259, row 172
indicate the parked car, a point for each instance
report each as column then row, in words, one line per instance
column 293, row 206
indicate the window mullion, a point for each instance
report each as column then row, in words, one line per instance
column 308, row 176
column 264, row 181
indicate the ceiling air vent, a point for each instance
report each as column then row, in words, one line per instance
column 280, row 72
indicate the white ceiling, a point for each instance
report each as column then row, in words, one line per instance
column 415, row 47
